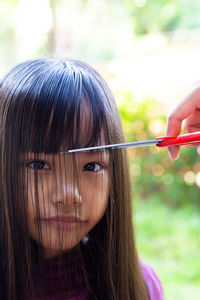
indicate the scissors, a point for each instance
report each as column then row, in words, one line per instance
column 189, row 139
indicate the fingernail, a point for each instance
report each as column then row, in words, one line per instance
column 174, row 152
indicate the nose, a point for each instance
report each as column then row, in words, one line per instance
column 67, row 194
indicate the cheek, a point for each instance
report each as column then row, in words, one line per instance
column 37, row 194
column 35, row 204
column 95, row 195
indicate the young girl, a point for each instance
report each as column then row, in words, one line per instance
column 66, row 221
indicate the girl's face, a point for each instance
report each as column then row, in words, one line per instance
column 73, row 190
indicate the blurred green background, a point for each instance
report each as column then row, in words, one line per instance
column 149, row 53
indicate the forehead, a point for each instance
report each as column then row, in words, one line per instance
column 76, row 127
column 83, row 123
column 88, row 130
column 84, row 132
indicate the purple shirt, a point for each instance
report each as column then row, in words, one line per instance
column 153, row 283
column 54, row 277
column 57, row 271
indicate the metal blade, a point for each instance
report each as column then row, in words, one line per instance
column 116, row 146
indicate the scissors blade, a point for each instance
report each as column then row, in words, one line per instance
column 116, row 146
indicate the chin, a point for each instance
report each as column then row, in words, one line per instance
column 60, row 246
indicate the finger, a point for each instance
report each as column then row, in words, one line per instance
column 173, row 128
column 174, row 152
column 183, row 110
column 192, row 123
column 176, row 116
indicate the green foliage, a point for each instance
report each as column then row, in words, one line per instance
column 152, row 171
column 163, row 15
column 169, row 240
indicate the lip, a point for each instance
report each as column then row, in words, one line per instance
column 64, row 221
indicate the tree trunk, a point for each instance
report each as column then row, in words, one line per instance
column 51, row 43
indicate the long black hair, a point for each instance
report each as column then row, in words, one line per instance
column 41, row 109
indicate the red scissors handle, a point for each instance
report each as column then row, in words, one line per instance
column 190, row 139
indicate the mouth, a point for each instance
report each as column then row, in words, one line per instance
column 64, row 221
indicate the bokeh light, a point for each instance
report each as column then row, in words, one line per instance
column 131, row 152
column 167, row 179
column 189, row 178
column 156, row 127
column 167, row 162
column 198, row 179
column 196, row 167
column 135, row 170
column 157, row 170
column 154, row 149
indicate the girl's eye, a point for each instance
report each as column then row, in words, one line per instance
column 93, row 167
column 38, row 165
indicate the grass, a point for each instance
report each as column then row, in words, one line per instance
column 169, row 240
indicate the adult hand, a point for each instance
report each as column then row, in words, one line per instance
column 188, row 112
